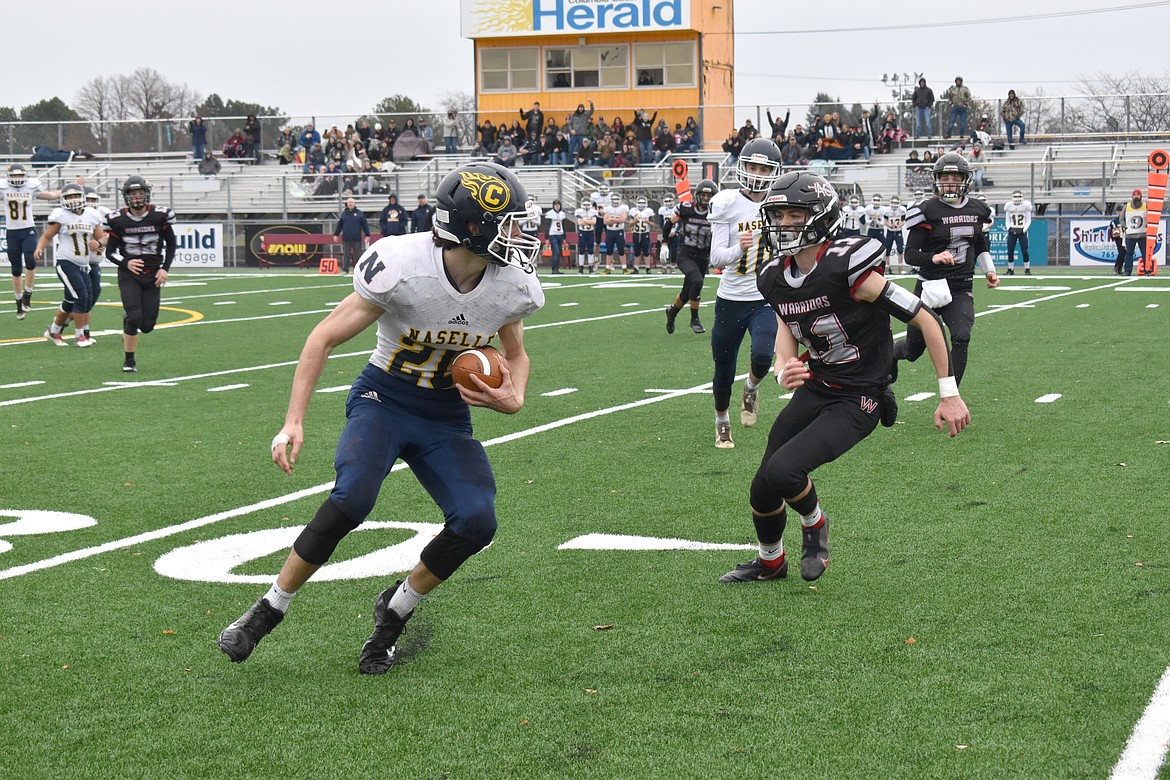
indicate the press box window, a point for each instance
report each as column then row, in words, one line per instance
column 504, row 70
column 665, row 64
column 586, row 66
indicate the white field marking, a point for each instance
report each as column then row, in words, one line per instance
column 1151, row 305
column 222, row 388
column 623, row 542
column 186, row 284
column 333, row 303
column 1049, row 398
column 562, row 391
column 123, row 385
column 22, row 384
column 337, row 389
column 1011, row 306
column 571, row 303
column 919, row 397
column 261, row 292
column 1033, row 288
column 1083, row 305
column 1144, row 289
column 280, row 303
column 786, row 396
column 1145, row 752
column 162, row 533
column 224, row 303
column 628, row 305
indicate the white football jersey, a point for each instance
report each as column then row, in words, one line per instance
column 732, row 213
column 616, row 214
column 1018, row 218
column 641, row 218
column 664, row 215
column 530, row 222
column 71, row 244
column 97, row 257
column 426, row 320
column 894, row 217
column 854, row 217
column 600, row 201
column 873, row 219
column 585, row 218
column 18, row 203
column 556, row 222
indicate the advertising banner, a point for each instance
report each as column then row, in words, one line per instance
column 200, row 245
column 288, row 245
column 1037, row 243
column 1091, row 244
column 512, row 18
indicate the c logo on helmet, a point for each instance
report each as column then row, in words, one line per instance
column 488, row 192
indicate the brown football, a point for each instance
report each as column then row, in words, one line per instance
column 484, row 362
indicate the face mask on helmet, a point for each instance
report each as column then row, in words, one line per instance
column 136, row 192
column 952, row 177
column 758, row 166
column 641, row 203
column 918, row 194
column 92, row 198
column 479, row 207
column 615, row 199
column 1017, row 198
column 73, row 198
column 800, row 211
column 16, row 175
column 854, row 202
column 876, row 200
column 704, row 192
column 668, row 201
column 895, row 201
column 602, row 189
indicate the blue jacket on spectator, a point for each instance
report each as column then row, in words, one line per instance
column 393, row 219
column 352, row 225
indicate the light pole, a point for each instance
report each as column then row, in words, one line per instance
column 901, row 88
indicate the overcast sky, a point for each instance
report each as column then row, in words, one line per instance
column 315, row 58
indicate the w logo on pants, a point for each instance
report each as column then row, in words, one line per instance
column 868, row 405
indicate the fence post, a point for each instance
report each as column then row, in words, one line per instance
column 1127, row 113
column 171, row 187
column 158, row 132
column 60, row 136
column 1062, row 128
column 284, row 199
column 229, row 198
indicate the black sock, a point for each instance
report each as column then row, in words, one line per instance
column 694, row 314
column 770, row 528
column 129, row 356
column 807, row 504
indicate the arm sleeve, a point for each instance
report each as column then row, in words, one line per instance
column 916, row 253
column 725, row 248
column 114, row 250
column 169, row 245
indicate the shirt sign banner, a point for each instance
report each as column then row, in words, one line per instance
column 512, row 18
column 1037, row 243
column 200, row 245
column 1091, row 243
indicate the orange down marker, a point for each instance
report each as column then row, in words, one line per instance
column 1159, row 162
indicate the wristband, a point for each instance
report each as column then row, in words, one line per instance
column 947, row 387
column 281, row 439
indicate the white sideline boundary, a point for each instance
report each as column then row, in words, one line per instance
column 1145, row 752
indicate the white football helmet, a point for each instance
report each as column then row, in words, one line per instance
column 895, row 201
column 876, row 200
column 1017, row 197
column 853, row 201
column 668, row 200
column 615, row 199
column 73, row 198
column 641, row 203
column 603, row 189
column 17, row 175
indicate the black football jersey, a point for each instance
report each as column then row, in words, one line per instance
column 935, row 226
column 849, row 341
column 694, row 230
column 151, row 237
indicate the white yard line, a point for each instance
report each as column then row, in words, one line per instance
column 1145, row 752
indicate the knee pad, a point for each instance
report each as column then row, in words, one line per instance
column 447, row 552
column 761, row 496
column 30, row 262
column 321, row 536
column 131, row 319
column 146, row 327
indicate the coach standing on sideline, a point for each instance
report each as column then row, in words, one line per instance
column 354, row 229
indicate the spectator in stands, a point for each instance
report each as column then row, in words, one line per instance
column 693, row 134
column 375, row 152
column 308, row 139
column 618, row 128
column 733, row 144
column 450, row 133
column 534, row 119
column 530, row 151
column 891, row 133
column 791, row 154
column 364, row 132
column 286, row 145
column 606, row 148
column 392, row 132
column 866, row 132
column 601, row 128
column 423, row 217
column 198, row 132
column 1012, row 112
column 779, row 129
column 548, row 148
column 959, row 96
column 236, row 145
column 487, row 137
column 506, row 152
column 425, row 133
column 748, row 131
column 354, row 230
column 664, row 144
column 923, row 101
column 642, row 126
column 914, row 162
column 579, row 125
column 358, row 161
column 336, row 153
column 208, row 166
column 252, row 133
column 393, row 219
column 631, row 153
column 315, row 158
column 982, row 132
column 584, row 156
column 977, row 159
column 409, row 128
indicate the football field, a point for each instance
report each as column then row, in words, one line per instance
column 997, row 604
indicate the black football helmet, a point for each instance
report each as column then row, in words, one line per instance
column 73, row 198
column 952, row 162
column 479, row 207
column 810, row 192
column 136, row 192
column 760, row 151
column 16, row 175
column 706, row 190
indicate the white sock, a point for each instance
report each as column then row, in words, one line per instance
column 278, row 598
column 771, row 552
column 722, row 417
column 749, row 385
column 55, row 328
column 812, row 518
column 405, row 599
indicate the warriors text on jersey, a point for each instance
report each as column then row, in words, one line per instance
column 18, row 203
column 936, row 226
column 694, row 230
column 71, row 244
column 732, row 213
column 849, row 341
column 427, row 322
column 1017, row 217
column 150, row 237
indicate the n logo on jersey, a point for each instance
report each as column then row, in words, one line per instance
column 489, row 192
column 868, row 405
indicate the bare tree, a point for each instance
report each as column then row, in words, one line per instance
column 463, row 104
column 1129, row 102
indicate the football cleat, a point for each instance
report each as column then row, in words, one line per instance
column 749, row 407
column 26, row 299
column 378, row 653
column 723, row 436
column 55, row 338
column 697, row 326
column 1027, row 272
column 130, row 367
column 1010, row 271
column 240, row 638
column 671, row 314
column 814, row 552
column 20, row 309
column 83, row 341
column 756, row 571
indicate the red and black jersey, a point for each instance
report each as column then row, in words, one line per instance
column 849, row 342
column 150, row 237
column 935, row 226
column 694, row 230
